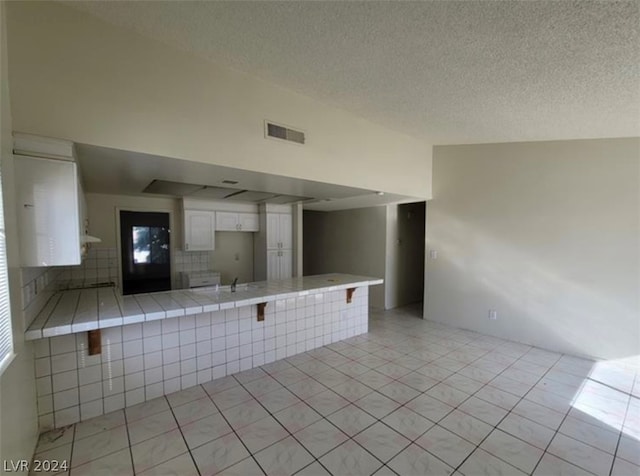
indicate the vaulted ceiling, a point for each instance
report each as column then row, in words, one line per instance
column 445, row 71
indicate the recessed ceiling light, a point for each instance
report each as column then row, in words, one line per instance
column 230, row 182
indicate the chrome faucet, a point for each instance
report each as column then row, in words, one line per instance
column 233, row 285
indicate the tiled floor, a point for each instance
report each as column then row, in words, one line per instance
column 411, row 397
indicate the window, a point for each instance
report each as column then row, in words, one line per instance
column 6, row 337
column 150, row 245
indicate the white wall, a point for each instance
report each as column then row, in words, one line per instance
column 349, row 241
column 18, row 414
column 78, row 78
column 545, row 233
column 233, row 255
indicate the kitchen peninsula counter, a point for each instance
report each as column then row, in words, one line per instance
column 97, row 351
column 82, row 310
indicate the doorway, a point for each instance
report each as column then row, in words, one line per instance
column 411, row 253
column 145, row 252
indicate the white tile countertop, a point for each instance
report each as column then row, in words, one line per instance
column 81, row 310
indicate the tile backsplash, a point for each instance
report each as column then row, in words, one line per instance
column 99, row 265
column 35, row 281
column 38, row 284
column 192, row 260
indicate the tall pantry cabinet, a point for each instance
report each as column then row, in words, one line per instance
column 273, row 244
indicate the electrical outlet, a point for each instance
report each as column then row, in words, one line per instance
column 493, row 315
column 433, row 254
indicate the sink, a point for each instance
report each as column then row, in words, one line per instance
column 239, row 288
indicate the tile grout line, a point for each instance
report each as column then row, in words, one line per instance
column 354, row 378
column 233, row 430
column 182, row 434
column 615, row 452
column 126, row 425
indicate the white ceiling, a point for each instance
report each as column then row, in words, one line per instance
column 120, row 172
column 446, row 71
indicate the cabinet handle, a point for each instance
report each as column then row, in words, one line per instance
column 240, row 227
column 28, row 205
column 186, row 246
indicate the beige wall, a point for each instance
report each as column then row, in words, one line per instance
column 545, row 233
column 233, row 255
column 103, row 218
column 79, row 78
column 349, row 241
column 18, row 427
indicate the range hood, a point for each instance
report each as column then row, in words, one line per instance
column 213, row 192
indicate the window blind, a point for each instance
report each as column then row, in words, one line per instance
column 6, row 338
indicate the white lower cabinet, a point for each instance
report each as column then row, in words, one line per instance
column 279, row 264
column 199, row 230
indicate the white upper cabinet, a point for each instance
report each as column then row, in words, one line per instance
column 49, row 221
column 232, row 221
column 52, row 214
column 199, row 230
column 249, row 221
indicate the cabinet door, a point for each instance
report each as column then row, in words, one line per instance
column 226, row 221
column 286, row 264
column 273, row 231
column 248, row 221
column 199, row 230
column 286, row 231
column 48, row 211
column 273, row 264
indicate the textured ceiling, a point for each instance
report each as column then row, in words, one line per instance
column 446, row 71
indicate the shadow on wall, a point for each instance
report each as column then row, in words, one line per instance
column 535, row 303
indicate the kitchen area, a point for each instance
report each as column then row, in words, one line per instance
column 132, row 296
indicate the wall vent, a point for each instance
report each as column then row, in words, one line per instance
column 277, row 131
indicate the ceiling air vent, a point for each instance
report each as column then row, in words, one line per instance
column 277, row 131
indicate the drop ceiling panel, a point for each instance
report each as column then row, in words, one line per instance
column 214, row 193
column 284, row 199
column 250, row 196
column 164, row 187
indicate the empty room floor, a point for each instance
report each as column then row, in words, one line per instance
column 411, row 397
